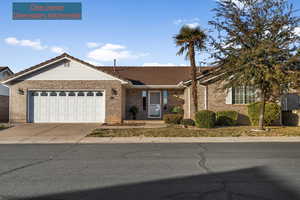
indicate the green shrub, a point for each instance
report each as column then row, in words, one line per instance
column 272, row 113
column 133, row 110
column 172, row 118
column 188, row 122
column 177, row 110
column 226, row 118
column 205, row 119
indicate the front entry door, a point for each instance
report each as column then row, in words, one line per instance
column 154, row 110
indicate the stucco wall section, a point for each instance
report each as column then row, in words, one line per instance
column 4, row 108
column 18, row 100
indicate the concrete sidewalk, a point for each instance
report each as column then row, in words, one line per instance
column 141, row 140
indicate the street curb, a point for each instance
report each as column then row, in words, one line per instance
column 145, row 140
column 118, row 140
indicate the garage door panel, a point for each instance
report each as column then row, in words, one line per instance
column 66, row 106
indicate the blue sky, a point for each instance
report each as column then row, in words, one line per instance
column 136, row 32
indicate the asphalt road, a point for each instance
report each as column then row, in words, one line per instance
column 241, row 171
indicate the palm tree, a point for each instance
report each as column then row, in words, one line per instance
column 190, row 40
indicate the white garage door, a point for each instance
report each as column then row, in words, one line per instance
column 66, row 106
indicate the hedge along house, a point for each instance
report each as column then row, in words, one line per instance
column 210, row 97
column 66, row 89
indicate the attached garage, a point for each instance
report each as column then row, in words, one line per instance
column 66, row 106
column 66, row 89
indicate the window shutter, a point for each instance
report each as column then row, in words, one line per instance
column 229, row 96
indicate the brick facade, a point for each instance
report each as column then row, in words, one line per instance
column 114, row 104
column 134, row 98
column 4, row 108
column 216, row 101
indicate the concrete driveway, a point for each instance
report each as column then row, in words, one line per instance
column 45, row 133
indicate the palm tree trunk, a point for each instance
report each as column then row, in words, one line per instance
column 262, row 110
column 194, row 75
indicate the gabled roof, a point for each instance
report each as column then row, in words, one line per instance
column 3, row 68
column 158, row 75
column 47, row 62
column 137, row 75
column 206, row 76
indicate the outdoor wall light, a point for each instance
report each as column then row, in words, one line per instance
column 114, row 92
column 21, row 91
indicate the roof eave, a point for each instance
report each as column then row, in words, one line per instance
column 28, row 72
column 60, row 58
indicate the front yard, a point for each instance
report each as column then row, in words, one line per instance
column 176, row 131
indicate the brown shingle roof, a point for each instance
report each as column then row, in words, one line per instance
column 136, row 75
column 152, row 75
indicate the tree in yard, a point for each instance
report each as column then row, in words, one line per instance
column 257, row 46
column 191, row 40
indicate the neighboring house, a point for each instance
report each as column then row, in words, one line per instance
column 4, row 94
column 67, row 89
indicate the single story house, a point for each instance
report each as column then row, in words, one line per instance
column 4, row 94
column 67, row 89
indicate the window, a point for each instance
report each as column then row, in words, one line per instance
column 90, row 94
column 165, row 97
column 80, row 94
column 243, row 95
column 72, row 94
column 34, row 94
column 53, row 94
column 62, row 94
column 99, row 94
column 44, row 94
column 144, row 96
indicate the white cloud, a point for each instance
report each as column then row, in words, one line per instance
column 112, row 47
column 58, row 50
column 193, row 25
column 92, row 44
column 11, row 40
column 178, row 21
column 158, row 64
column 36, row 44
column 109, row 52
column 194, row 22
